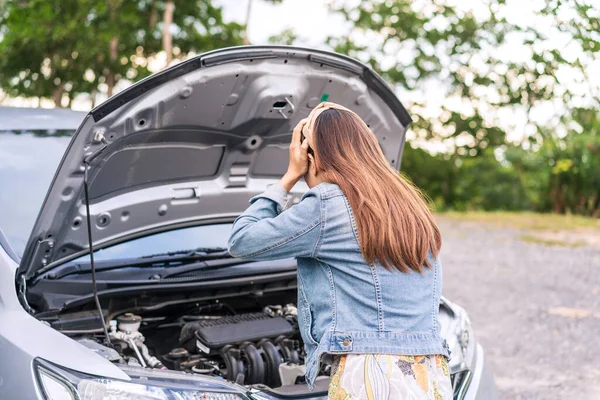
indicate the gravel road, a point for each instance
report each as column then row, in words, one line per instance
column 535, row 308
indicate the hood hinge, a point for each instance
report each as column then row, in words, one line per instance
column 23, row 294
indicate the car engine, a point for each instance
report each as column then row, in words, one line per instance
column 261, row 347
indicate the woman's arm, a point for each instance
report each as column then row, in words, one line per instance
column 264, row 232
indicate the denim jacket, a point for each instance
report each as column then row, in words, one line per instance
column 344, row 305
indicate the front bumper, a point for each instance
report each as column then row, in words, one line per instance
column 477, row 383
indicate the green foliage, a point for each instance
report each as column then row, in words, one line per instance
column 415, row 45
column 563, row 175
column 287, row 37
column 39, row 47
column 581, row 19
column 52, row 48
column 463, row 184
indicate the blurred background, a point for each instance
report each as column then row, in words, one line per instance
column 504, row 96
column 499, row 90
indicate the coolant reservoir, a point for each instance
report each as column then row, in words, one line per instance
column 129, row 323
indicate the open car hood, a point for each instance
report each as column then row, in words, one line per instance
column 194, row 142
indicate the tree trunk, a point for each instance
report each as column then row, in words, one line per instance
column 153, row 17
column 245, row 32
column 57, row 96
column 113, row 48
column 167, row 37
column 110, row 82
column 93, row 96
column 113, row 53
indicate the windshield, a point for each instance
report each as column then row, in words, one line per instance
column 206, row 236
column 28, row 161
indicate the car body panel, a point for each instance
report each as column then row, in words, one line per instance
column 482, row 383
column 24, row 338
column 34, row 119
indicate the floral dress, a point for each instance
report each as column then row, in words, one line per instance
column 390, row 377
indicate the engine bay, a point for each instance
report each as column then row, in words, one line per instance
column 259, row 347
column 242, row 330
column 239, row 329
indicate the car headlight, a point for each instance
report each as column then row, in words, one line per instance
column 464, row 347
column 266, row 396
column 467, row 339
column 61, row 384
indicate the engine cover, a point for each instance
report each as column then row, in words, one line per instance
column 236, row 329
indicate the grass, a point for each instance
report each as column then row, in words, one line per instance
column 549, row 242
column 527, row 220
column 544, row 229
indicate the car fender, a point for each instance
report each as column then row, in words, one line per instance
column 23, row 338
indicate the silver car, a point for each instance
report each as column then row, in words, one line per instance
column 149, row 184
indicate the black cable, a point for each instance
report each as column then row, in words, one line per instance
column 92, row 266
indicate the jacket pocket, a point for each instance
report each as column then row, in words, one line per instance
column 306, row 320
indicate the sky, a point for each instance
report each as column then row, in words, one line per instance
column 310, row 19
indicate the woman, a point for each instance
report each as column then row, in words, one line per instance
column 369, row 278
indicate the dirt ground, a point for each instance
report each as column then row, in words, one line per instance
column 533, row 298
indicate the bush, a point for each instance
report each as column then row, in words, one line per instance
column 562, row 176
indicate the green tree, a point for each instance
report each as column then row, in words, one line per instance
column 39, row 46
column 58, row 49
column 563, row 174
column 415, row 44
column 423, row 46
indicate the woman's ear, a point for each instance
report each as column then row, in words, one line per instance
column 312, row 168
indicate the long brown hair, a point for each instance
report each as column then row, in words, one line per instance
column 395, row 226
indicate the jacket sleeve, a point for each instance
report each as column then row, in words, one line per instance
column 266, row 232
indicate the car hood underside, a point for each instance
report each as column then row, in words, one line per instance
column 194, row 142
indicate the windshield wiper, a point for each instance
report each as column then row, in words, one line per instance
column 174, row 258
column 190, row 253
column 201, row 266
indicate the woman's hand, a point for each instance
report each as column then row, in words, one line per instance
column 298, row 158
